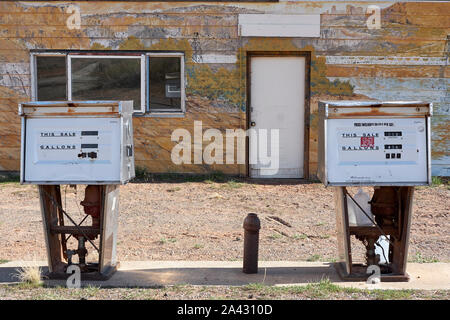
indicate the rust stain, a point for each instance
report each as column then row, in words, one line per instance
column 371, row 114
column 64, row 114
column 375, row 111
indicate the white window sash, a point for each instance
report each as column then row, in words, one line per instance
column 145, row 94
column 86, row 56
column 33, row 70
column 182, row 82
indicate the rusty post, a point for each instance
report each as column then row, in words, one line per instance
column 251, row 242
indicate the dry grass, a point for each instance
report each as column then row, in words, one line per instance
column 323, row 289
column 30, row 275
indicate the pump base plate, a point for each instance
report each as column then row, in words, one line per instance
column 85, row 276
column 359, row 274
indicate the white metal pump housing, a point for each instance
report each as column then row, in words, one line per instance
column 374, row 143
column 77, row 142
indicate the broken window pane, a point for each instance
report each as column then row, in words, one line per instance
column 51, row 78
column 165, row 84
column 107, row 79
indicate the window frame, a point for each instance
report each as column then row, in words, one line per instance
column 33, row 71
column 181, row 110
column 145, row 76
column 141, row 57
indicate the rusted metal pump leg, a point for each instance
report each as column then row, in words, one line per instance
column 252, row 225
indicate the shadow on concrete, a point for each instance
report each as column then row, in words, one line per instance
column 216, row 276
column 11, row 274
column 156, row 277
column 220, row 178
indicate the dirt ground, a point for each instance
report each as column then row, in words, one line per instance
column 203, row 221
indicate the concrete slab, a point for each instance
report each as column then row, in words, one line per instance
column 431, row 276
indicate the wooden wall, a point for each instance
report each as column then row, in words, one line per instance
column 407, row 58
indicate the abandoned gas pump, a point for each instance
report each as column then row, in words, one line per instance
column 384, row 146
column 78, row 143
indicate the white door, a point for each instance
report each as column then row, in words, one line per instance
column 277, row 105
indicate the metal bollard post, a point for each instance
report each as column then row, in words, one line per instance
column 251, row 242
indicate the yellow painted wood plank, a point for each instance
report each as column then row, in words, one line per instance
column 10, row 153
column 386, row 71
column 9, row 165
column 10, row 140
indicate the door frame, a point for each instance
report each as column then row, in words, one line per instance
column 307, row 56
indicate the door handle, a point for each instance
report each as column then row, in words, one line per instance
column 252, row 124
column 129, row 151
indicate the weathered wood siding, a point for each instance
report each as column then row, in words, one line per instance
column 407, row 58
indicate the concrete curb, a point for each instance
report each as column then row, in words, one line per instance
column 427, row 276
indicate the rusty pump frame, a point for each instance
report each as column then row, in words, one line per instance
column 101, row 204
column 392, row 208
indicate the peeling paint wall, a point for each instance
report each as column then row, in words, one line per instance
column 407, row 58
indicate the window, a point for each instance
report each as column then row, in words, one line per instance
column 107, row 78
column 51, row 77
column 154, row 81
column 166, row 85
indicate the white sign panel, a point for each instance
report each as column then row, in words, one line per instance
column 377, row 150
column 279, row 25
column 72, row 149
